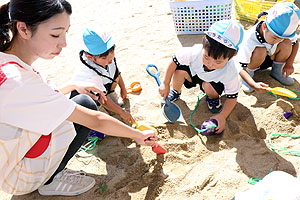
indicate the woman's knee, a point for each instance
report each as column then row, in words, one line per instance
column 85, row 101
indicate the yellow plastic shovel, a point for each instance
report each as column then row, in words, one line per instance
column 156, row 148
column 282, row 91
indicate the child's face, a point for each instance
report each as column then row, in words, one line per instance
column 212, row 63
column 269, row 36
column 103, row 61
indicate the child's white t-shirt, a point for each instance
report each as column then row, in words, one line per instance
column 29, row 108
column 85, row 74
column 228, row 75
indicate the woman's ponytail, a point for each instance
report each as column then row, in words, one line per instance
column 4, row 27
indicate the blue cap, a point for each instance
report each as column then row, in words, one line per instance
column 227, row 32
column 96, row 41
column 282, row 19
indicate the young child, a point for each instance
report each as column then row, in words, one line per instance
column 100, row 67
column 272, row 43
column 211, row 66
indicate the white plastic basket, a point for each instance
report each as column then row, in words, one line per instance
column 195, row 17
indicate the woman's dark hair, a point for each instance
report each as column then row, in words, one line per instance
column 31, row 12
column 217, row 50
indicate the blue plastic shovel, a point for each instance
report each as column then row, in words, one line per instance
column 170, row 110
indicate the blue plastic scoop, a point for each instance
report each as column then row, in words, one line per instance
column 170, row 110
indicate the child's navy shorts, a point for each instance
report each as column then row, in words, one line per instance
column 219, row 87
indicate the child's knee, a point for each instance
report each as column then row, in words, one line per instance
column 259, row 53
column 181, row 74
column 208, row 88
column 285, row 45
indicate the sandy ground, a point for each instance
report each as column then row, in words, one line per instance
column 196, row 167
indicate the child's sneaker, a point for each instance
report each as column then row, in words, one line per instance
column 214, row 105
column 173, row 95
column 116, row 98
column 68, row 183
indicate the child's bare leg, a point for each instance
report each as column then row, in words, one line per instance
column 213, row 101
column 258, row 56
column 209, row 90
column 178, row 79
column 282, row 53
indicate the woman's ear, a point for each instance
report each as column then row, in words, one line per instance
column 23, row 30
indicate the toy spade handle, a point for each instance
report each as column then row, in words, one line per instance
column 154, row 75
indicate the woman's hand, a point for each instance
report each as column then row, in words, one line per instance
column 146, row 137
column 92, row 90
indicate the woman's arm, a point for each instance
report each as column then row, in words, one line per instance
column 104, row 123
column 84, row 88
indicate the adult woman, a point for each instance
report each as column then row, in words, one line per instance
column 37, row 134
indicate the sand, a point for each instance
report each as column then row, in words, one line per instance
column 196, row 166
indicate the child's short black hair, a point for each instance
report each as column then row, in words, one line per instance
column 217, row 50
column 106, row 52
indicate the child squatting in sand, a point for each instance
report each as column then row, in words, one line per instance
column 211, row 66
column 100, row 67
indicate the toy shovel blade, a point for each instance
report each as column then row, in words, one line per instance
column 171, row 111
column 158, row 149
column 283, row 92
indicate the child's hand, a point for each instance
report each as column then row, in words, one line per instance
column 126, row 116
column 261, row 87
column 287, row 70
column 164, row 90
column 221, row 123
column 123, row 93
column 91, row 90
column 147, row 137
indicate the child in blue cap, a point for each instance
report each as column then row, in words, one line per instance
column 100, row 67
column 211, row 66
column 271, row 43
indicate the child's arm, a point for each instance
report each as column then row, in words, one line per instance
column 222, row 116
column 164, row 88
column 122, row 87
column 111, row 106
column 259, row 87
column 104, row 123
column 288, row 68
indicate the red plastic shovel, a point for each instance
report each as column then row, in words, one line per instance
column 156, row 148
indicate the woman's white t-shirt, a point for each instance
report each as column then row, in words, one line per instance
column 30, row 108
